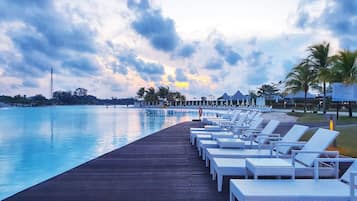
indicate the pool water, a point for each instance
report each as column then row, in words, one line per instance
column 39, row 143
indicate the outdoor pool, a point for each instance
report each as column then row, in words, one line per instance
column 40, row 142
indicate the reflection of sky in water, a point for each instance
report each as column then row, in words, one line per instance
column 38, row 143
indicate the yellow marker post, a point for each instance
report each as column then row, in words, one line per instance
column 332, row 126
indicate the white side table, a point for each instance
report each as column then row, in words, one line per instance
column 270, row 167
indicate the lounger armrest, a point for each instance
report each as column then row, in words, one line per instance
column 328, row 153
column 247, row 128
column 276, row 144
column 255, row 130
column 333, row 153
column 267, row 135
column 275, row 138
column 285, row 143
column 336, row 160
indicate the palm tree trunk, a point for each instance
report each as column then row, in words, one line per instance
column 349, row 108
column 324, row 98
column 305, row 101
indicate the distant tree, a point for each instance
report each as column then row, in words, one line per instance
column 252, row 94
column 63, row 97
column 268, row 91
column 345, row 70
column 175, row 96
column 181, row 97
column 39, row 100
column 163, row 92
column 301, row 78
column 150, row 95
column 320, row 60
column 141, row 92
column 20, row 99
column 80, row 92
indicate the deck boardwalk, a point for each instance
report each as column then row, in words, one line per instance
column 162, row 166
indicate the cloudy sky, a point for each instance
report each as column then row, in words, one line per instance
column 198, row 47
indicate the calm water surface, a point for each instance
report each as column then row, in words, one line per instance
column 38, row 143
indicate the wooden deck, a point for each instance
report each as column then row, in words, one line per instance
column 162, row 166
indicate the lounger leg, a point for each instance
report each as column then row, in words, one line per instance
column 203, row 154
column 207, row 162
column 219, row 182
column 214, row 175
column 199, row 151
column 231, row 196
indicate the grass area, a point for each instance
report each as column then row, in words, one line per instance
column 346, row 141
column 316, row 118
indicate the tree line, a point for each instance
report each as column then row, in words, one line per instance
column 152, row 95
column 319, row 69
column 62, row 98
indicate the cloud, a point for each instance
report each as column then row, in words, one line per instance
column 252, row 41
column 258, row 63
column 117, row 68
column 46, row 37
column 338, row 16
column 215, row 78
column 186, row 51
column 180, row 75
column 227, row 52
column 30, row 83
column 254, row 58
column 170, row 78
column 81, row 65
column 152, row 25
column 214, row 64
column 148, row 71
column 303, row 19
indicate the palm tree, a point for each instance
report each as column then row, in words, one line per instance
column 141, row 92
column 268, row 91
column 301, row 79
column 163, row 92
column 150, row 95
column 345, row 70
column 320, row 61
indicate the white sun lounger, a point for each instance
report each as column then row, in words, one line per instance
column 203, row 144
column 234, row 153
column 206, row 134
column 343, row 189
column 302, row 161
column 219, row 121
column 235, row 143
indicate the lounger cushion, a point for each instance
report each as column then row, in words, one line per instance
column 285, row 190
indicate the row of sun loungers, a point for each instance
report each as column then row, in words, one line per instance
column 241, row 148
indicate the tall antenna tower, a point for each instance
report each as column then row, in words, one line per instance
column 51, row 95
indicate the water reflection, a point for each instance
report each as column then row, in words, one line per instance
column 38, row 143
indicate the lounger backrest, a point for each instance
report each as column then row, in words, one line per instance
column 321, row 139
column 251, row 115
column 255, row 123
column 346, row 176
column 241, row 119
column 235, row 116
column 293, row 135
column 271, row 126
column 267, row 130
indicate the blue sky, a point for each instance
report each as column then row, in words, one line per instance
column 199, row 47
